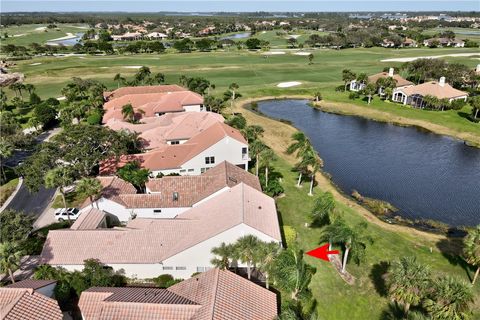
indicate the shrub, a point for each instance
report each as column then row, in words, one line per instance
column 353, row 95
column 94, row 118
column 165, row 280
column 290, row 235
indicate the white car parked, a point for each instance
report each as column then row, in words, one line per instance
column 62, row 214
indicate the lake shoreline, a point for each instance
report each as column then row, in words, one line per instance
column 277, row 142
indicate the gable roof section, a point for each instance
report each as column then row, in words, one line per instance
column 89, row 220
column 154, row 240
column 227, row 296
column 120, row 92
column 433, row 88
column 26, row 304
column 31, row 284
column 113, row 188
column 148, row 104
column 401, row 82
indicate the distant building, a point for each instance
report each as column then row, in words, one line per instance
column 444, row 42
column 129, row 36
column 156, row 35
column 215, row 294
column 399, row 80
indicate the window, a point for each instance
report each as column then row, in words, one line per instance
column 191, row 170
column 157, row 210
column 209, row 160
column 183, row 170
column 244, row 150
column 203, row 269
column 180, row 268
column 167, row 268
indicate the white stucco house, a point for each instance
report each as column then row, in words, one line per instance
column 413, row 95
column 166, row 197
column 399, row 80
column 146, row 248
column 216, row 144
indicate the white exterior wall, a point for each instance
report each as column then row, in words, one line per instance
column 112, row 207
column 228, row 149
column 193, row 107
column 197, row 256
column 200, row 254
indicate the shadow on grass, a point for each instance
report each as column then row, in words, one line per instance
column 451, row 249
column 378, row 276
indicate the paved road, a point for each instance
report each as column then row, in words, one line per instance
column 32, row 204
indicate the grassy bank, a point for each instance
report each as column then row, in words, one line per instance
column 367, row 298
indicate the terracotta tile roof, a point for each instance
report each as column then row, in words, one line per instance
column 89, row 220
column 215, row 294
column 154, row 240
column 113, row 187
column 401, row 82
column 433, row 88
column 227, row 296
column 173, row 156
column 156, row 131
column 148, row 104
column 26, row 304
column 31, row 284
column 120, row 92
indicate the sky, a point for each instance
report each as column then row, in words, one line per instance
column 237, row 6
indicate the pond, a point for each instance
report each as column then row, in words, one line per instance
column 424, row 175
column 71, row 41
column 234, row 36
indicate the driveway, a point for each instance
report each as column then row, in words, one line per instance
column 31, row 203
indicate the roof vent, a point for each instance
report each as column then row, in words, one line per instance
column 175, row 196
column 442, row 82
column 259, row 207
column 232, row 179
column 390, row 72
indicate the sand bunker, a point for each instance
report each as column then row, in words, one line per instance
column 430, row 57
column 288, row 84
column 35, row 64
column 302, row 53
column 132, row 67
column 294, row 36
column 273, row 52
column 61, row 98
column 40, row 28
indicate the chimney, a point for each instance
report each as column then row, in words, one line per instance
column 442, row 82
column 175, row 196
column 390, row 72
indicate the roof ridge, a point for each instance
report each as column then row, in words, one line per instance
column 215, row 289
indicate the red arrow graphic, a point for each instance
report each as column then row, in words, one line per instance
column 322, row 252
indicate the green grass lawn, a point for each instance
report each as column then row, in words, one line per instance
column 461, row 33
column 26, row 34
column 366, row 299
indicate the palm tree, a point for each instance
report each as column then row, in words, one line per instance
column 6, row 151
column 226, row 252
column 292, row 274
column 449, row 299
column 159, row 77
column 266, row 255
column 323, row 208
column 311, row 160
column 128, row 112
column 256, row 148
column 142, row 74
column 369, row 91
column 119, row 79
column 45, row 272
column 253, row 132
column 233, row 87
column 347, row 77
column 60, row 178
column 245, row 249
column 408, row 281
column 30, row 88
column 301, row 146
column 472, row 250
column 353, row 240
column 90, row 187
column 317, row 96
column 266, row 158
column 10, row 256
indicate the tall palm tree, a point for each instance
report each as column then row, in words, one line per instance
column 60, row 177
column 292, row 274
column 119, row 79
column 245, row 248
column 472, row 250
column 225, row 253
column 30, row 88
column 323, row 208
column 369, row 91
column 233, row 87
column 408, row 282
column 90, row 187
column 253, row 132
column 301, row 146
column 267, row 156
column 142, row 74
column 45, row 272
column 128, row 112
column 256, row 148
column 10, row 256
column 449, row 299
column 267, row 252
column 311, row 160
